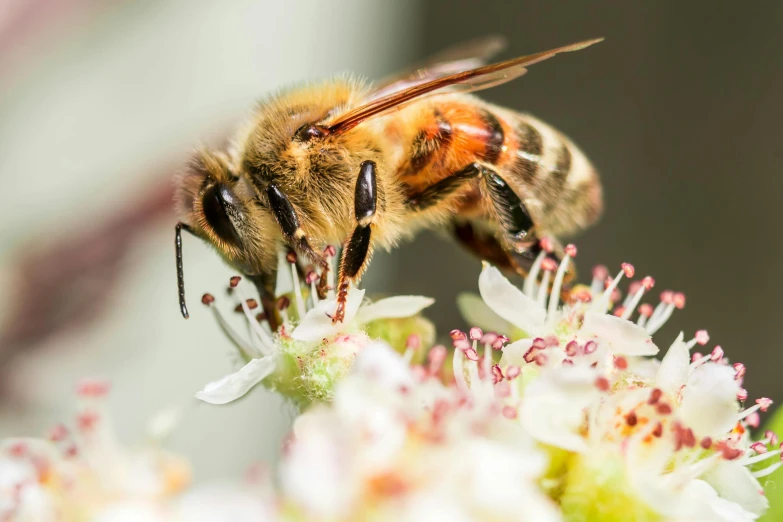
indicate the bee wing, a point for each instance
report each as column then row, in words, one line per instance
column 461, row 57
column 463, row 81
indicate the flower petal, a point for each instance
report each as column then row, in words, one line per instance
column 709, row 400
column 509, row 302
column 317, row 323
column 476, row 313
column 620, row 335
column 379, row 362
column 673, row 372
column 553, row 406
column 235, row 385
column 393, row 307
column 514, row 353
column 734, row 482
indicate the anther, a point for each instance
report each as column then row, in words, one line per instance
column 234, row 281
column 546, row 245
column 658, row 430
column 436, row 357
column 512, row 372
column 621, row 363
column 291, row 257
column 646, row 310
column 476, row 334
column 663, row 409
column 497, row 374
column 764, row 403
column 706, row 443
column 312, row 277
column 679, row 300
column 549, row 264
column 58, row 433
column 628, row 269
column 717, row 354
column 758, row 447
column 590, row 347
column 570, row 250
column 739, row 370
column 753, row 420
column 207, row 299
column 655, row 396
column 283, row 302
column 648, row 283
column 330, row 251
column 631, row 419
column 771, row 436
column 600, row 272
column 413, row 342
column 471, row 354
column 602, row 383
column 702, row 337
column 531, row 354
column 572, row 348
column 92, row 388
column 509, row 412
column 742, row 395
column 457, row 335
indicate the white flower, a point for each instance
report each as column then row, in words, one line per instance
column 309, row 352
column 394, row 446
column 664, row 439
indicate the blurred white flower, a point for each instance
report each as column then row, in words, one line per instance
column 85, row 474
column 395, row 445
column 308, row 353
column 643, row 439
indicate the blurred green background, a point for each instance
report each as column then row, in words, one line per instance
column 100, row 103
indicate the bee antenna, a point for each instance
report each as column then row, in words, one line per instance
column 180, row 272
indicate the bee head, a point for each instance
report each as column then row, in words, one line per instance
column 220, row 208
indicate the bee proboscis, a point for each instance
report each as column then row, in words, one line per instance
column 341, row 163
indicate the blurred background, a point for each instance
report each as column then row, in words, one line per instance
column 101, row 102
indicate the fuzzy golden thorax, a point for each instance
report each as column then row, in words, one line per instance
column 318, row 173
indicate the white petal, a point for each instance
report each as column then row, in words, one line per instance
column 622, row 337
column 235, row 385
column 701, row 502
column 553, row 406
column 734, row 482
column 380, row 363
column 393, row 307
column 709, row 400
column 317, row 323
column 509, row 302
column 514, row 353
column 476, row 313
column 673, row 372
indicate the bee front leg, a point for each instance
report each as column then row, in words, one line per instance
column 358, row 247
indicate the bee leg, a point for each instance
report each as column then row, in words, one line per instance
column 509, row 210
column 358, row 248
column 265, row 284
column 286, row 217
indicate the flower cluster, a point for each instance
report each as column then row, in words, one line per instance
column 545, row 411
column 308, row 354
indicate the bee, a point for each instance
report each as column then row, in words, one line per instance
column 341, row 163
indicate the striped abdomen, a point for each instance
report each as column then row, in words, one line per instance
column 553, row 177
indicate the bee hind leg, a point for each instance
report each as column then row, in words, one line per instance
column 358, row 247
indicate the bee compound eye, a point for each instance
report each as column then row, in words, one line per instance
column 220, row 204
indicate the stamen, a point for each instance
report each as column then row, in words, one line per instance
column 554, row 297
column 764, row 403
column 543, row 291
column 266, row 339
column 600, row 273
column 300, row 307
column 632, row 304
column 459, row 371
column 529, row 287
column 739, row 369
column 457, row 335
column 602, row 383
column 331, row 254
column 436, row 358
column 412, row 344
column 717, row 354
column 476, row 334
column 311, row 279
column 283, row 303
column 602, row 303
column 246, row 351
column 645, row 311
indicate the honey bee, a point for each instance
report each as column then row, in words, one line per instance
column 339, row 162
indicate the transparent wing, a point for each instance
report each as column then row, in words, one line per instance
column 461, row 57
column 464, row 81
